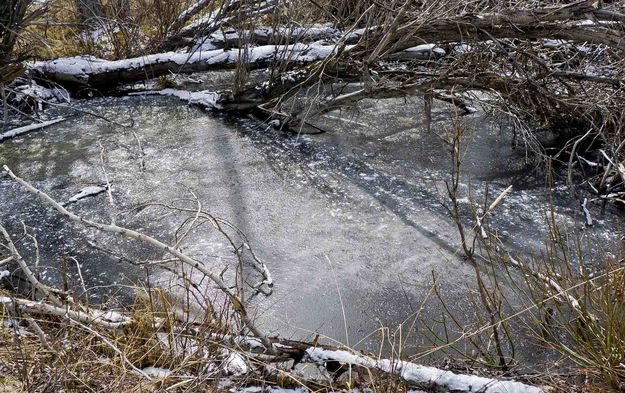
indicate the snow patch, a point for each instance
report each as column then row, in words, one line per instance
column 40, row 93
column 268, row 389
column 86, row 192
column 157, row 372
column 110, row 316
column 206, row 99
column 234, row 363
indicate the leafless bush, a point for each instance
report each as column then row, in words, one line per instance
column 15, row 16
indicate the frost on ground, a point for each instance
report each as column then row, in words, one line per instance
column 32, row 90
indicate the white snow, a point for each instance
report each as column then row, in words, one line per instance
column 206, row 99
column 268, row 389
column 550, row 43
column 427, row 48
column 234, row 363
column 40, row 93
column 299, row 34
column 14, row 325
column 156, row 372
column 4, row 273
column 110, row 316
column 86, row 192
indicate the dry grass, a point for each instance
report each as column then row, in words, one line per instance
column 76, row 357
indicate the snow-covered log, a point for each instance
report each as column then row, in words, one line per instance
column 105, row 75
column 430, row 378
column 229, row 12
column 415, row 375
column 267, row 36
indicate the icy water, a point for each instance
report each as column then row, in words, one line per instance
column 350, row 223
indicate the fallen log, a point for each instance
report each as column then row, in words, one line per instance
column 106, row 75
column 105, row 319
column 424, row 377
column 474, row 29
column 227, row 13
column 267, row 36
column 563, row 23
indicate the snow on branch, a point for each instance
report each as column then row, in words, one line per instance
column 106, row 319
column 26, row 129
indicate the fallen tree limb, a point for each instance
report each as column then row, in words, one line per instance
column 105, row 319
column 535, row 23
column 26, row 129
column 188, row 14
column 475, row 29
column 548, row 22
column 228, row 12
column 267, row 36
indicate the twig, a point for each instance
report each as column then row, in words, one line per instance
column 23, row 130
column 47, row 291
